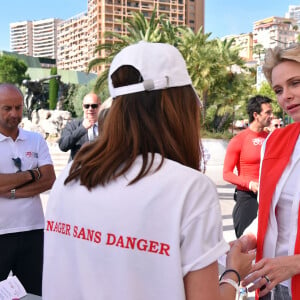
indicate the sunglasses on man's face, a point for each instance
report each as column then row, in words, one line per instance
column 93, row 106
column 18, row 163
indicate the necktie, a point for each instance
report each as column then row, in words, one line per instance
column 93, row 132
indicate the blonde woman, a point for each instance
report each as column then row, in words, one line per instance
column 277, row 270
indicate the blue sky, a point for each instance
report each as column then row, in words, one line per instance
column 22, row 10
column 222, row 17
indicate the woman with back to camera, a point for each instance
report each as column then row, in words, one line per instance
column 132, row 217
column 277, row 270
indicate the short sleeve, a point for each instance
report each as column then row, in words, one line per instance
column 44, row 154
column 202, row 240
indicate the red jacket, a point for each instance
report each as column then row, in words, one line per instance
column 279, row 148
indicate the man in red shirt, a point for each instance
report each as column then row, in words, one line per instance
column 243, row 153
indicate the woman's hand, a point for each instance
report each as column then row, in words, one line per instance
column 248, row 242
column 269, row 272
column 241, row 256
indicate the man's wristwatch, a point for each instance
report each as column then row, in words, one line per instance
column 13, row 194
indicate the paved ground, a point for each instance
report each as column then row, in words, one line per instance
column 214, row 171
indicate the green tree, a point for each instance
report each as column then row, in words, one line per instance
column 219, row 76
column 230, row 98
column 12, row 69
column 266, row 90
column 234, row 86
column 156, row 29
column 210, row 63
column 69, row 93
column 53, row 89
column 202, row 61
column 78, row 92
column 258, row 49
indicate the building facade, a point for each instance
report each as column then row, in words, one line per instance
column 106, row 15
column 294, row 13
column 44, row 38
column 244, row 42
column 35, row 38
column 72, row 42
column 21, row 37
column 274, row 31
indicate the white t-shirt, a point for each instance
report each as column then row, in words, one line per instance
column 22, row 214
column 131, row 242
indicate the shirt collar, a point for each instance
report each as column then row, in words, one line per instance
column 21, row 135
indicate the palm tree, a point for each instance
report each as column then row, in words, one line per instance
column 230, row 53
column 201, row 61
column 237, row 82
column 213, row 66
column 156, row 29
column 209, row 62
column 258, row 49
column 266, row 90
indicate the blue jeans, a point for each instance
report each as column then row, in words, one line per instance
column 280, row 292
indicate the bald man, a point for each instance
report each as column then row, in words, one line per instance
column 26, row 170
column 80, row 131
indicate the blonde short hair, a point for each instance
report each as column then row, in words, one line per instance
column 277, row 55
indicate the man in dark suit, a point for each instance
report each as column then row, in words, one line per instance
column 80, row 131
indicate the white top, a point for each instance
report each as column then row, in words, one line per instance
column 22, row 214
column 131, row 242
column 285, row 201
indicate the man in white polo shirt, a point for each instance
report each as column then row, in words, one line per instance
column 26, row 170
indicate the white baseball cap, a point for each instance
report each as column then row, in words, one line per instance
column 161, row 66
